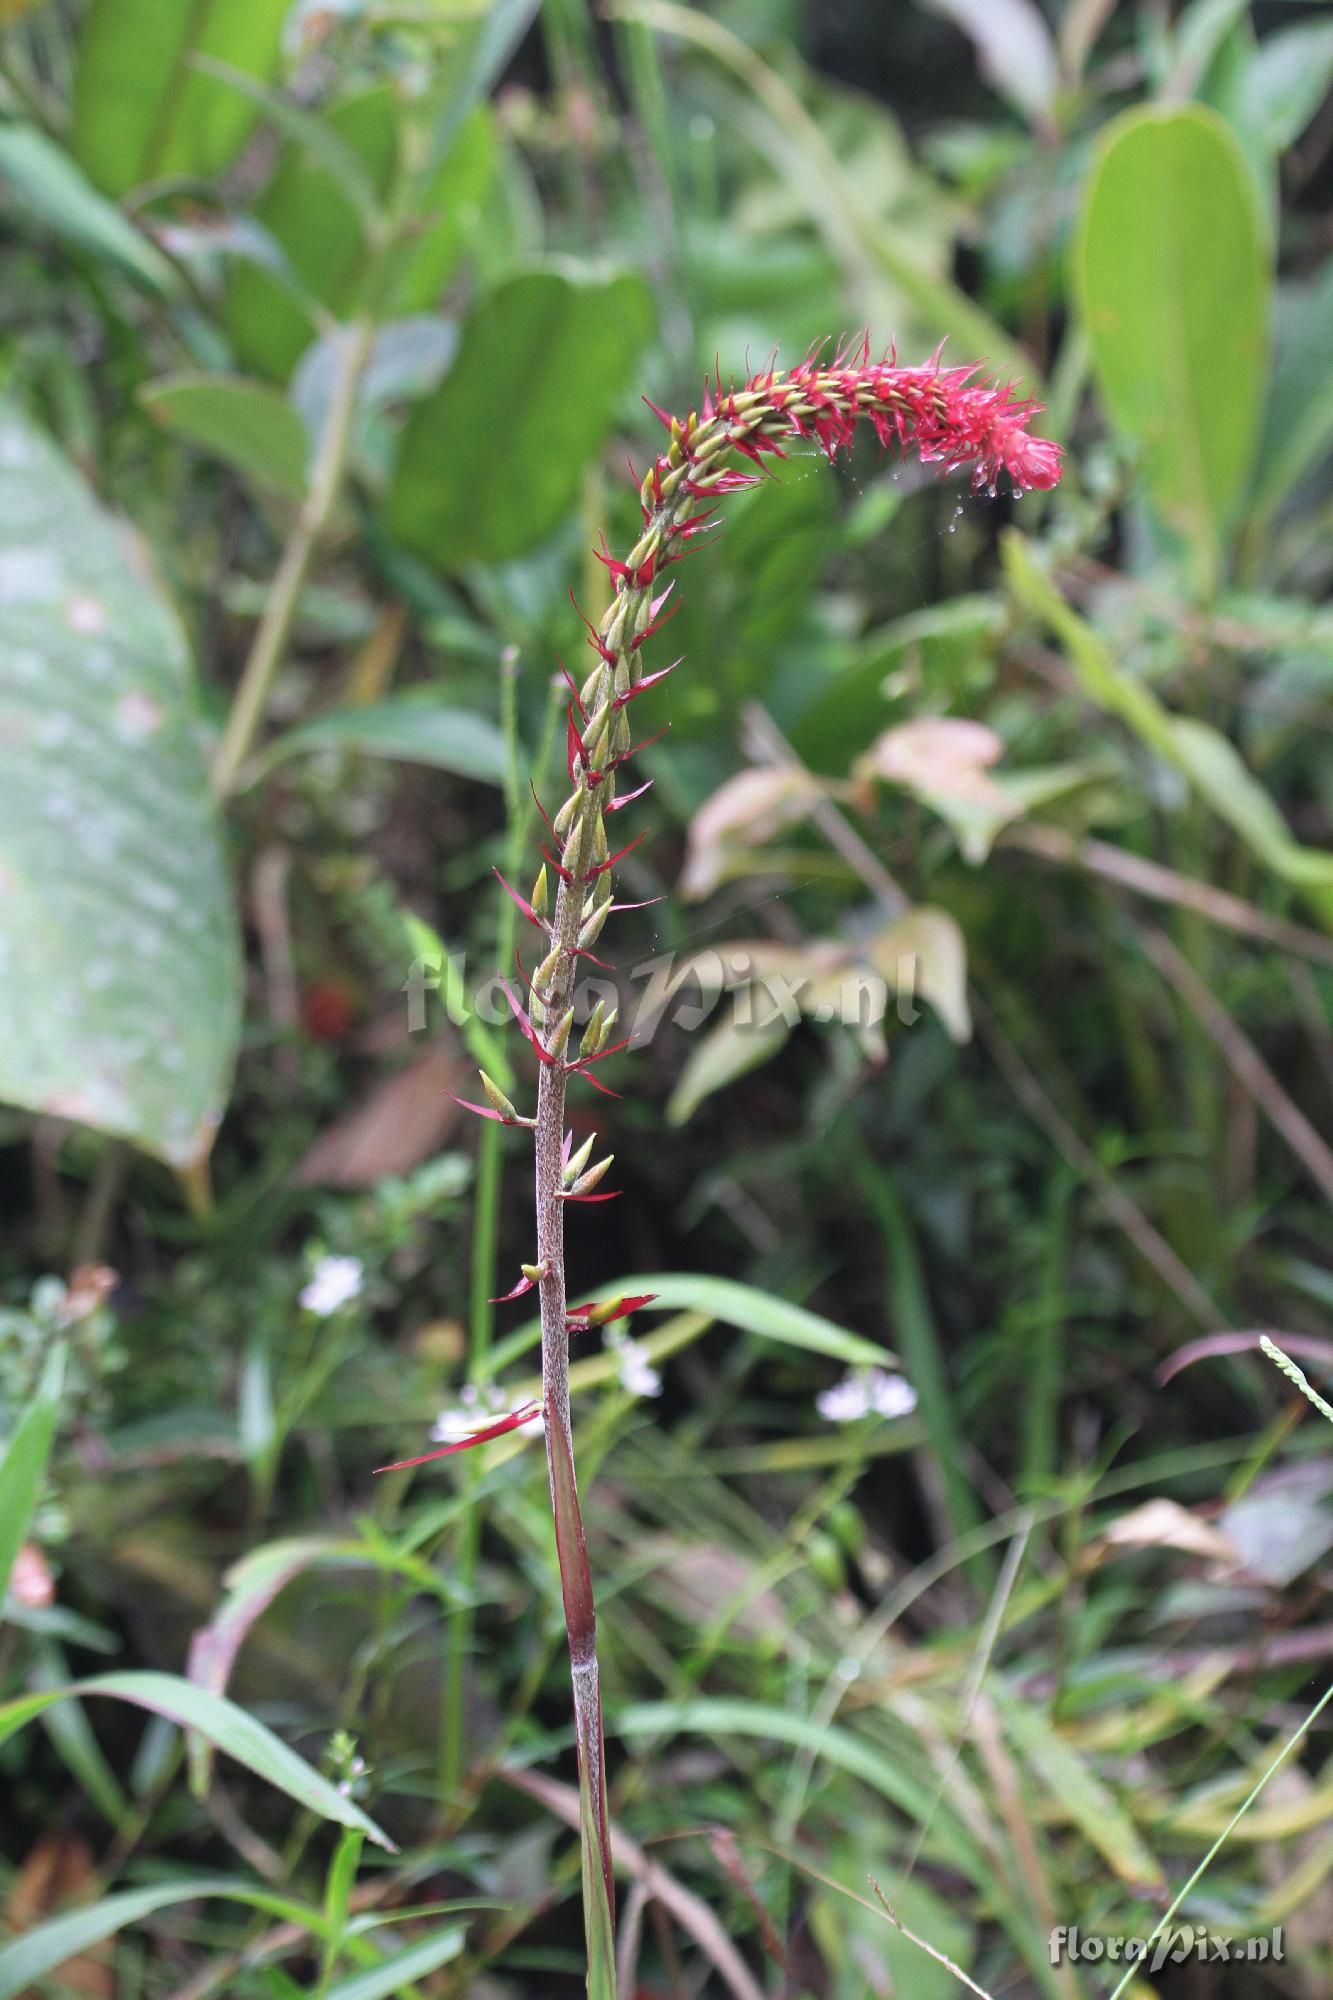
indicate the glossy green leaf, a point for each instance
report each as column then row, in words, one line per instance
column 1173, row 283
column 142, row 111
column 412, row 730
column 550, row 357
column 119, row 957
column 248, row 425
column 319, row 229
column 23, row 1466
column 54, row 190
column 30, row 1958
column 228, row 1728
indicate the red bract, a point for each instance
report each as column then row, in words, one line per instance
column 524, row 1415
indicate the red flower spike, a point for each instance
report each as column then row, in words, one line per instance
column 567, row 1194
column 525, row 1024
column 595, row 1314
column 542, row 810
column 588, row 1077
column 559, row 867
column 646, row 904
column 524, row 1415
column 612, row 859
column 523, row 1285
column 521, row 903
column 654, row 625
column 626, row 798
column 595, row 639
column 646, row 680
column 482, row 1110
column 572, row 685
column 585, row 1062
column 663, row 416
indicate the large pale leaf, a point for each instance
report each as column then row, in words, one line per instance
column 119, row 961
column 246, row 424
column 230, row 1729
column 142, row 110
column 55, row 191
column 492, row 461
column 1173, row 281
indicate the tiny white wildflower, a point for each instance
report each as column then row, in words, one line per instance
column 636, row 1371
column 863, row 1391
column 334, row 1282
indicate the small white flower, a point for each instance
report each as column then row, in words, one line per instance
column 334, row 1282
column 636, row 1371
column 845, row 1402
column 863, row 1391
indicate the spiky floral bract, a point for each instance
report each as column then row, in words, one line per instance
column 946, row 416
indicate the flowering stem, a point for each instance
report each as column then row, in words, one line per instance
column 942, row 415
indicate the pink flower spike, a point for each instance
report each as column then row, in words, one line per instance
column 542, row 810
column 559, row 866
column 521, row 903
column 482, row 1110
column 621, row 1310
column 572, row 685
column 524, row 1415
column 603, row 1088
column 567, row 1194
column 646, row 904
column 663, row 416
column 525, row 1024
column 601, row 1055
column 612, row 859
column 627, row 798
column 595, row 639
column 646, row 680
column 523, row 1285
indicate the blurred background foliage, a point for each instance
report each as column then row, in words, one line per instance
column 323, row 332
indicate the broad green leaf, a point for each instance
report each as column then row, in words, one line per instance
column 1287, row 81
column 1298, row 423
column 411, row 729
column 119, row 958
column 381, row 1982
column 1173, row 281
column 40, row 1950
column 23, row 1466
column 1208, row 759
column 248, row 425
column 230, row 1730
column 548, row 357
column 141, row 111
column 308, row 212
column 53, row 189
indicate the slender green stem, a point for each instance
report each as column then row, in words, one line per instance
column 269, row 648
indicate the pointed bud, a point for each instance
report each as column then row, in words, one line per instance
column 545, row 972
column 575, row 1166
column 591, row 928
column 540, row 896
column 592, row 1034
column 564, row 818
column 558, row 1040
column 605, row 1035
column 534, row 1271
column 587, row 1182
column 496, row 1096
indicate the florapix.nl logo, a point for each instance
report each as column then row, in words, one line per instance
column 1177, row 1944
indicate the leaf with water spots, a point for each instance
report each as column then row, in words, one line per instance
column 119, row 959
